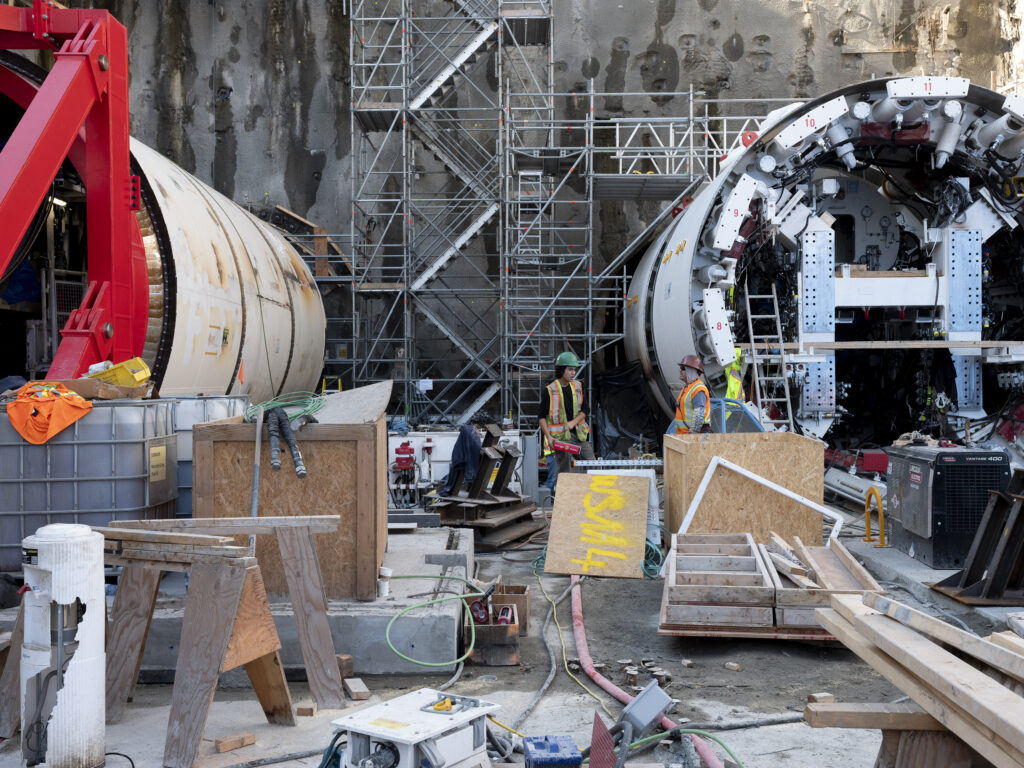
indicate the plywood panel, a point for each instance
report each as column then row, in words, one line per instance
column 598, row 526
column 733, row 503
column 333, row 455
column 254, row 634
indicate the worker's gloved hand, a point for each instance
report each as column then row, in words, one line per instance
column 705, row 428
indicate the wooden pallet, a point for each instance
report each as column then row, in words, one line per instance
column 970, row 685
column 716, row 580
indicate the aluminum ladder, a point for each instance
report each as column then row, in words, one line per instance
column 769, row 364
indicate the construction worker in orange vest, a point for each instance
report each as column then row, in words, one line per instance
column 562, row 417
column 693, row 406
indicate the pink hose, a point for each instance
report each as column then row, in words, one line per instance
column 583, row 652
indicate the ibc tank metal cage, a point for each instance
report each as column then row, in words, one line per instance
column 189, row 411
column 116, row 463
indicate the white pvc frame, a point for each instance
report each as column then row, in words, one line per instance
column 718, row 461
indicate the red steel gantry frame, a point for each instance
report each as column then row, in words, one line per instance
column 80, row 112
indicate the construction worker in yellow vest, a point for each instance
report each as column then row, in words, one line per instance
column 734, row 378
column 693, row 406
column 562, row 417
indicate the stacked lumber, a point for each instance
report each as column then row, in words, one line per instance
column 173, row 551
column 727, row 585
column 716, row 581
column 806, row 577
column 970, row 685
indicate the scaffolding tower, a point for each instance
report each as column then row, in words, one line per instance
column 472, row 253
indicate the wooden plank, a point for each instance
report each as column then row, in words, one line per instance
column 161, row 537
column 858, row 571
column 780, row 544
column 332, row 454
column 346, row 665
column 114, row 560
column 305, row 709
column 983, row 739
column 904, row 716
column 309, row 606
column 236, row 525
column 990, row 653
column 268, row 681
column 786, row 566
column 254, row 634
column 210, row 606
column 730, row 550
column 220, row 431
column 356, row 689
column 229, row 743
column 734, row 503
column 720, row 615
column 165, row 556
column 598, row 526
column 977, row 695
column 718, row 594
column 804, row 556
column 10, row 680
column 367, row 566
column 1008, row 640
column 295, row 217
column 130, row 618
column 827, row 567
column 719, row 578
column 224, row 550
column 711, row 539
column 789, row 616
column 717, row 563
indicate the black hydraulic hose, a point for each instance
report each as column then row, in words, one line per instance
column 289, row 437
column 627, row 739
column 274, row 434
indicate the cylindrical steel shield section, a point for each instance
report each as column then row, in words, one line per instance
column 245, row 316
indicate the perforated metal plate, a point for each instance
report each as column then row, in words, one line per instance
column 818, row 293
column 965, row 280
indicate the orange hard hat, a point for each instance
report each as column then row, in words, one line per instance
column 692, row 361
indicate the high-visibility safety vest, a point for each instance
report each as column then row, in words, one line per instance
column 684, row 406
column 556, row 413
column 734, row 377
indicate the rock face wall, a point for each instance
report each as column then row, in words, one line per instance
column 252, row 95
column 779, row 48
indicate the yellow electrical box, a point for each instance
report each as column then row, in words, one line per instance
column 130, row 373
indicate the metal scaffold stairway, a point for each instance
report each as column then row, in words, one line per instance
column 425, row 190
column 768, row 360
column 471, row 262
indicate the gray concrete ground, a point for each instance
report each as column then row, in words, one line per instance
column 621, row 622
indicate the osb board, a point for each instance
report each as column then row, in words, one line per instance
column 733, row 503
column 346, row 468
column 598, row 526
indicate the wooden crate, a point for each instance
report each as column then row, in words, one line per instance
column 497, row 645
column 795, row 605
column 519, row 596
column 716, row 580
column 347, row 476
column 735, row 503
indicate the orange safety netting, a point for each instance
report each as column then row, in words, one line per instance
column 44, row 408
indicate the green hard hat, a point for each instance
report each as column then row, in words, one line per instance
column 568, row 359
